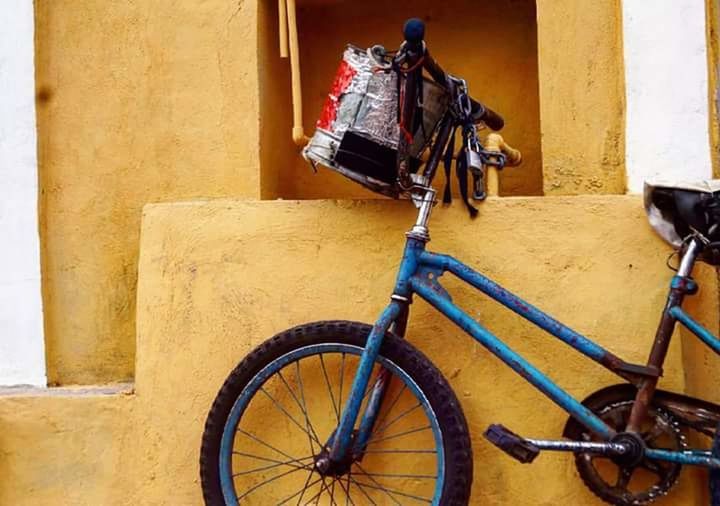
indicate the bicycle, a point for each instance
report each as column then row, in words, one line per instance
column 339, row 411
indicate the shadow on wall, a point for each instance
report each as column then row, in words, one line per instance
column 493, row 45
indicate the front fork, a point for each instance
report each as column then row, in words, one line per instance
column 343, row 440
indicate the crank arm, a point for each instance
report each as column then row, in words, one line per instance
column 598, row 448
column 608, row 449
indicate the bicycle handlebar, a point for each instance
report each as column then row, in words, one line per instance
column 414, row 33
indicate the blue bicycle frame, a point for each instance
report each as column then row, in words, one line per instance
column 419, row 274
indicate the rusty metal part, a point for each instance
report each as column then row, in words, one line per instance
column 614, row 405
column 696, row 414
column 659, row 350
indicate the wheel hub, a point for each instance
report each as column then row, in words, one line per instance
column 327, row 467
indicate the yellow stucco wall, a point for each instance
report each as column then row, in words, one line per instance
column 712, row 11
column 582, row 96
column 154, row 101
column 161, row 101
column 137, row 102
column 209, row 291
column 70, row 447
column 217, row 278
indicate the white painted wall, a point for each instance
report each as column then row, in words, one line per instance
column 22, row 351
column 666, row 82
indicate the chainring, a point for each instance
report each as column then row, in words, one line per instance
column 632, row 485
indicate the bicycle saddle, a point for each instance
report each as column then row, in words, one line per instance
column 678, row 209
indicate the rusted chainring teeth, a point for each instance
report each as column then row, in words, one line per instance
column 656, row 491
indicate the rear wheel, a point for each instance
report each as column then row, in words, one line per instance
column 715, row 473
column 269, row 425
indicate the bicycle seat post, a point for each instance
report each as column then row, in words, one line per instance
column 688, row 258
column 427, row 200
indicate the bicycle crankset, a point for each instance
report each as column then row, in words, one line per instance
column 635, row 481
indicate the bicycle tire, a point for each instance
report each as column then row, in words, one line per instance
column 456, row 444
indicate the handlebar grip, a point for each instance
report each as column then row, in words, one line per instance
column 493, row 119
column 483, row 113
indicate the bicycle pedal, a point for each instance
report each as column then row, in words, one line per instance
column 512, row 444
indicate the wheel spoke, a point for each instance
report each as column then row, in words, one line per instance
column 305, row 487
column 300, row 405
column 307, row 416
column 284, row 411
column 327, row 382
column 271, row 466
column 346, row 491
column 323, row 487
column 257, row 439
column 414, row 476
column 394, row 436
column 390, row 408
column 387, row 493
column 342, row 378
column 391, row 422
column 258, row 457
column 348, row 487
column 361, row 489
column 301, row 491
column 400, row 451
column 332, row 491
column 255, row 487
column 397, row 492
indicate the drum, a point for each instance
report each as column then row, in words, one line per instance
column 357, row 133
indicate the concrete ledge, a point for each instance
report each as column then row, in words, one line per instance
column 74, row 447
column 68, row 391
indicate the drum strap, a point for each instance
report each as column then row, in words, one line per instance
column 447, row 163
column 461, row 171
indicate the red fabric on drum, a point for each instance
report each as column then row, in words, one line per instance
column 343, row 78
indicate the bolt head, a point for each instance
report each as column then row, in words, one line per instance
column 322, row 464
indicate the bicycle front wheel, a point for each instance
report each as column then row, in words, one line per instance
column 277, row 410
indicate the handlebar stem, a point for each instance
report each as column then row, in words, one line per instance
column 420, row 229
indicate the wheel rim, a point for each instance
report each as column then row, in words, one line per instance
column 289, row 418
